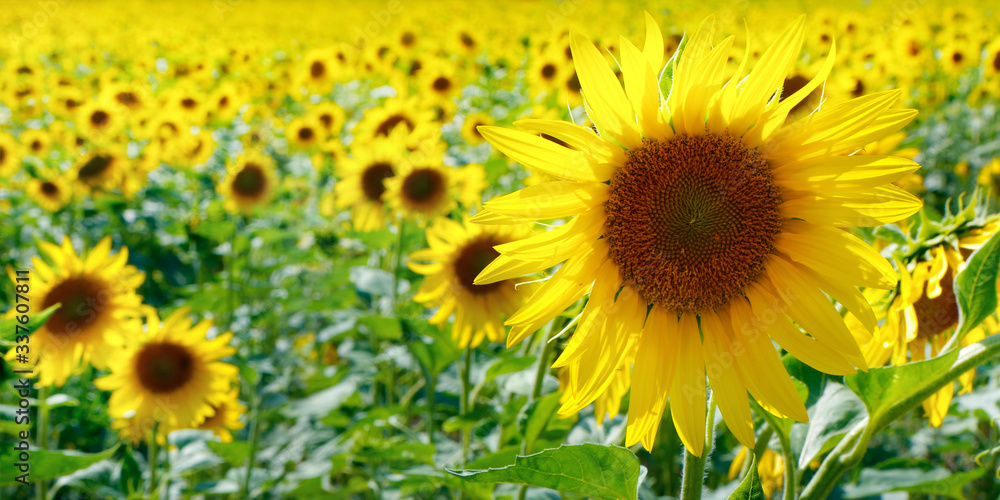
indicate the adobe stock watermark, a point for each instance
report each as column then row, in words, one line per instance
column 36, row 22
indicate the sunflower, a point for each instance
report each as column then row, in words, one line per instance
column 695, row 221
column 330, row 116
column 608, row 403
column 99, row 120
column 923, row 312
column 170, row 373
column 225, row 417
column 363, row 181
column 471, row 124
column 422, row 191
column 457, row 253
column 10, row 155
column 35, row 142
column 395, row 113
column 98, row 308
column 248, row 184
column 51, row 192
column 304, row 133
column 102, row 170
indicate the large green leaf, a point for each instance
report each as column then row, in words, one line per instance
column 880, row 388
column 976, row 286
column 750, row 487
column 235, row 453
column 939, row 482
column 589, row 470
column 836, row 412
column 49, row 464
column 382, row 327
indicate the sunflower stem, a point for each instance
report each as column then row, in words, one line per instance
column 152, row 453
column 693, row 474
column 851, row 449
column 791, row 475
column 254, row 439
column 465, row 405
column 431, row 388
column 536, row 390
column 43, row 433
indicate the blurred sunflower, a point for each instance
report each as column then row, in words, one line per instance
column 705, row 211
column 249, row 183
column 989, row 177
column 225, row 417
column 99, row 121
column 102, row 170
column 98, row 308
column 396, row 112
column 304, row 133
column 422, row 191
column 10, row 155
column 330, row 116
column 35, row 142
column 471, row 124
column 363, row 181
column 170, row 373
column 457, row 253
column 921, row 314
column 51, row 192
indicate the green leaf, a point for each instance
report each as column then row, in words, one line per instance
column 750, row 487
column 588, row 470
column 235, row 453
column 130, row 479
column 880, row 388
column 8, row 326
column 383, row 327
column 939, row 482
column 49, row 464
column 836, row 412
column 976, row 286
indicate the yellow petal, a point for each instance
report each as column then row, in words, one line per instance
column 541, row 154
column 549, row 200
column 730, row 392
column 688, row 395
column 611, row 111
column 653, row 373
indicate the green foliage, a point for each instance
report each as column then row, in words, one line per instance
column 976, row 286
column 750, row 487
column 590, row 470
column 50, row 464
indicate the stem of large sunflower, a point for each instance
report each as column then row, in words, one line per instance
column 464, row 404
column 693, row 474
column 152, row 452
column 43, row 433
column 791, row 476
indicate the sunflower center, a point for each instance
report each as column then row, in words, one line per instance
column 467, row 40
column 548, row 71
column 326, row 119
column 390, row 123
column 3, row 154
column 408, row 39
column 996, row 61
column 305, row 134
column 690, row 221
column 94, row 167
column 164, row 367
column 49, row 188
column 128, row 99
column 250, row 181
column 423, row 187
column 937, row 315
column 83, row 300
column 317, row 69
column 471, row 260
column 36, row 145
column 99, row 118
column 441, row 84
column 373, row 180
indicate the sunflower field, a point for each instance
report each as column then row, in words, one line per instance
column 716, row 249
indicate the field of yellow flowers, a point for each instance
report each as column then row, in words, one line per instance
column 529, row 249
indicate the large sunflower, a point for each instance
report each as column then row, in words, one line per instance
column 704, row 226
column 457, row 253
column 170, row 374
column 98, row 308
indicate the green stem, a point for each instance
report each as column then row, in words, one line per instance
column 396, row 267
column 152, row 454
column 693, row 475
column 43, row 434
column 465, row 405
column 791, row 475
column 254, row 440
column 536, row 390
column 851, row 449
column 431, row 388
